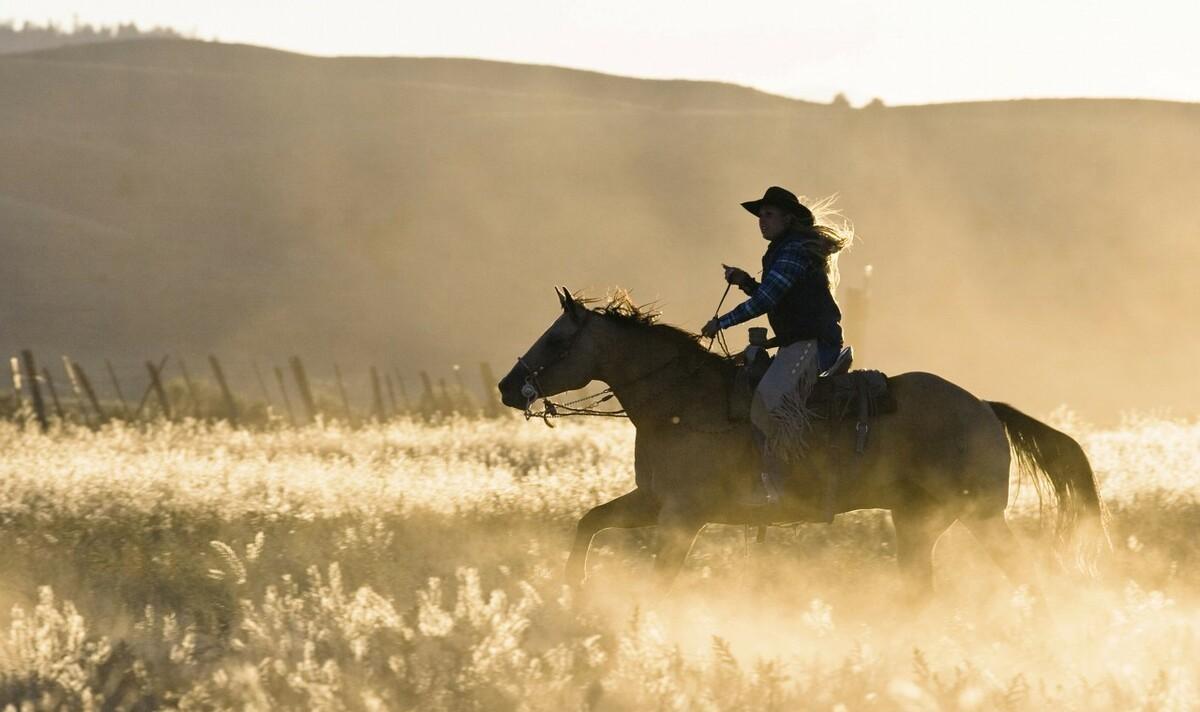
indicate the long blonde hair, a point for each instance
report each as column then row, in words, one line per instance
column 827, row 232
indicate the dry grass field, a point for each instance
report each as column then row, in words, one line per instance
column 418, row 566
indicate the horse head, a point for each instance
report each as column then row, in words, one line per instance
column 562, row 359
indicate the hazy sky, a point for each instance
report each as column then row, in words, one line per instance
column 903, row 51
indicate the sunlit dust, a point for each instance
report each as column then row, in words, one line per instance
column 414, row 561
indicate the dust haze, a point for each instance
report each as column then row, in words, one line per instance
column 415, row 565
column 175, row 196
column 172, row 196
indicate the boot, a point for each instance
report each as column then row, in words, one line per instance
column 766, row 490
column 763, row 492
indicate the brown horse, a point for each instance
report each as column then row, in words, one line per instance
column 944, row 455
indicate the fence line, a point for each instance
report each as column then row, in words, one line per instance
column 185, row 396
column 172, row 397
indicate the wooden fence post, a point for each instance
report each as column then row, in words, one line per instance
column 77, row 389
column 191, row 388
column 376, row 397
column 14, row 366
column 337, row 374
column 112, row 375
column 149, row 389
column 89, row 391
column 858, row 308
column 261, row 383
column 302, row 385
column 156, row 383
column 404, row 399
column 429, row 402
column 491, row 403
column 231, row 411
column 39, row 407
column 387, row 379
column 467, row 399
column 287, row 402
column 53, row 394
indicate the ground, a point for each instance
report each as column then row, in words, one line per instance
column 419, row 565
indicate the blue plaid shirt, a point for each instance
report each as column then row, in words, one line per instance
column 789, row 264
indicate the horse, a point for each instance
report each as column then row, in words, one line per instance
column 943, row 456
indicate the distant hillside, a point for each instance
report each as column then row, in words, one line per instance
column 29, row 37
column 176, row 196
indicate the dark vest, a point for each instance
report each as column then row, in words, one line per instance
column 808, row 309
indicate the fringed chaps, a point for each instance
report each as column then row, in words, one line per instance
column 779, row 408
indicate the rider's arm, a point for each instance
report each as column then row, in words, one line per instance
column 750, row 286
column 788, row 266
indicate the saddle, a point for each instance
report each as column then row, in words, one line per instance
column 838, row 394
column 862, row 394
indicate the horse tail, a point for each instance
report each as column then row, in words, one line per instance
column 1051, row 457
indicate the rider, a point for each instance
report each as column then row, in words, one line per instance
column 796, row 294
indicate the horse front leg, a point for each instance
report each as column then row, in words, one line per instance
column 677, row 530
column 638, row 508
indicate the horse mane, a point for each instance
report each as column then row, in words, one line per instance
column 620, row 308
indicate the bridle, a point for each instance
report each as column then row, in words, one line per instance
column 532, row 390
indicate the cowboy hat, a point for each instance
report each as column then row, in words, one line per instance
column 780, row 198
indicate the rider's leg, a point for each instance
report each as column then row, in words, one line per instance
column 781, row 419
column 771, row 475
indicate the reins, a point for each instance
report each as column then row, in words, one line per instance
column 718, row 336
column 550, row 409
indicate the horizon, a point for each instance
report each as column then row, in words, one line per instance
column 932, row 53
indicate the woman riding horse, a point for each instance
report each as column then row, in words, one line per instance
column 796, row 294
column 942, row 456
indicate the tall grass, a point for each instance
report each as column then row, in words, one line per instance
column 417, row 566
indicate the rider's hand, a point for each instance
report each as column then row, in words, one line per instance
column 711, row 328
column 736, row 275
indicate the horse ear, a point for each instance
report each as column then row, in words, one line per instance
column 564, row 298
column 569, row 304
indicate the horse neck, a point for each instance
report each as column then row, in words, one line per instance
column 655, row 380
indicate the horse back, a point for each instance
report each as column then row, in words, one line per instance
column 939, row 439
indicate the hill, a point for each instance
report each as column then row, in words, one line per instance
column 186, row 197
column 30, row 36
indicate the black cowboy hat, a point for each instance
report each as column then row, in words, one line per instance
column 780, row 198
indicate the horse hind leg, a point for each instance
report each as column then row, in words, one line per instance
column 917, row 530
column 993, row 532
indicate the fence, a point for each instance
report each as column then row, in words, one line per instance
column 172, row 392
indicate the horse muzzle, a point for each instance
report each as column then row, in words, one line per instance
column 513, row 389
